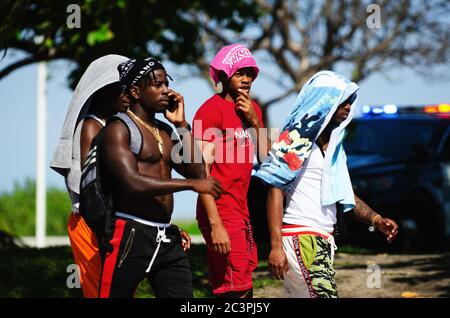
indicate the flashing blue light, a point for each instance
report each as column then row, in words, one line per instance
column 377, row 110
column 390, row 109
column 366, row 109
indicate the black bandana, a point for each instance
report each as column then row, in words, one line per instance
column 133, row 70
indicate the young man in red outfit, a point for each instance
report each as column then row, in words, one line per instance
column 229, row 128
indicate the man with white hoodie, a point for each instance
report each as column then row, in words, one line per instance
column 96, row 97
column 309, row 183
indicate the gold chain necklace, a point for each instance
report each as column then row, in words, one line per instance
column 152, row 128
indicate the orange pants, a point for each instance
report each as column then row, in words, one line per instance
column 86, row 254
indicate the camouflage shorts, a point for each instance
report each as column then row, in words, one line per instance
column 311, row 273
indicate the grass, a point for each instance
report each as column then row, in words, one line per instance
column 42, row 273
column 36, row 273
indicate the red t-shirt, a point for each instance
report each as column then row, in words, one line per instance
column 217, row 121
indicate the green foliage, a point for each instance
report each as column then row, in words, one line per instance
column 144, row 290
column 18, row 216
column 190, row 227
column 267, row 280
column 17, row 210
column 32, row 272
column 132, row 28
column 36, row 273
column 103, row 34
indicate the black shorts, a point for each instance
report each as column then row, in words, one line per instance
column 134, row 245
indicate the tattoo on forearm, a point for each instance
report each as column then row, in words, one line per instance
column 362, row 211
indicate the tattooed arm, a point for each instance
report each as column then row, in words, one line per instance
column 363, row 213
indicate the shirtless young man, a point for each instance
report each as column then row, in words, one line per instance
column 144, row 244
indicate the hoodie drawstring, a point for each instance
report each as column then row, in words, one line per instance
column 333, row 246
column 160, row 237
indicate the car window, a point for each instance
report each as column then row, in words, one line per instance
column 401, row 138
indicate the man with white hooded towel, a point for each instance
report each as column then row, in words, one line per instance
column 309, row 183
column 67, row 161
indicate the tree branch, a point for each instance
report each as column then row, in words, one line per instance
column 12, row 67
column 268, row 29
column 280, row 97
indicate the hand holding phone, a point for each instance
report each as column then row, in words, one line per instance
column 172, row 104
column 175, row 109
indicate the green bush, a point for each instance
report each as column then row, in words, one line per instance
column 40, row 273
column 36, row 273
column 32, row 272
column 18, row 210
column 189, row 226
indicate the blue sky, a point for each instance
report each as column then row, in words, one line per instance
column 18, row 112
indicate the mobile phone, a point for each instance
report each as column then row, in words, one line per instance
column 172, row 104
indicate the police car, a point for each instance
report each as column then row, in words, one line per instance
column 399, row 163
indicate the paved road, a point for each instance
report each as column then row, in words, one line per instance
column 384, row 276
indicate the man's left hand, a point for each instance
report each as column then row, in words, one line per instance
column 388, row 227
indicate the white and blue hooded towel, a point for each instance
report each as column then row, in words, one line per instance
column 315, row 105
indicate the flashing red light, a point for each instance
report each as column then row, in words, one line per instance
column 441, row 108
column 431, row 109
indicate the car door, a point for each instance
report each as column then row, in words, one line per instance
column 444, row 158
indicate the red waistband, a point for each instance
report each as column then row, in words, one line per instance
column 303, row 229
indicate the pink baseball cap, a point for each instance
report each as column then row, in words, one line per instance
column 229, row 59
